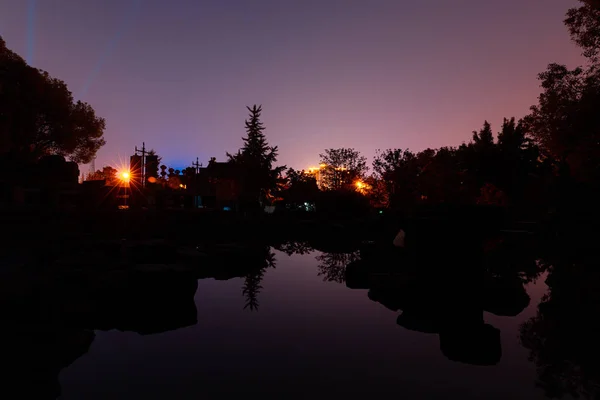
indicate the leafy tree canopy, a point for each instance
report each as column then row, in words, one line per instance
column 565, row 123
column 256, row 160
column 38, row 115
column 342, row 167
column 108, row 173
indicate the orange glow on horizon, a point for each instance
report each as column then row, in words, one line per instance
column 320, row 167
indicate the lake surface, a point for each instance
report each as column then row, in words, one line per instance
column 298, row 333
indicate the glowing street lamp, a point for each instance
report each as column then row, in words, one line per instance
column 125, row 177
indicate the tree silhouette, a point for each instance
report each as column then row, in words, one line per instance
column 520, row 173
column 378, row 193
column 255, row 160
column 565, row 123
column 300, row 187
column 484, row 138
column 342, row 168
column 399, row 171
column 108, row 173
column 431, row 176
column 154, row 173
column 40, row 117
column 595, row 4
column 584, row 27
column 441, row 178
column 173, row 178
column 480, row 158
column 512, row 138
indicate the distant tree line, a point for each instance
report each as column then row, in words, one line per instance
column 550, row 158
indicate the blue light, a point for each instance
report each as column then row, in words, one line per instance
column 226, row 208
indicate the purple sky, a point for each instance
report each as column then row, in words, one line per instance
column 367, row 74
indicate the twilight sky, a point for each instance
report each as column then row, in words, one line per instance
column 368, row 74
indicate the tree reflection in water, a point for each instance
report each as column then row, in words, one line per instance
column 563, row 338
column 332, row 266
column 291, row 248
column 252, row 282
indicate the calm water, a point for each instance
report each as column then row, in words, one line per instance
column 308, row 337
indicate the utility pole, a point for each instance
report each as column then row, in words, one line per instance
column 142, row 152
column 197, row 165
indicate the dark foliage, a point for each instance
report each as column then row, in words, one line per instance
column 343, row 203
column 332, row 266
column 109, row 174
column 342, row 168
column 300, row 187
column 252, row 282
column 256, row 160
column 563, row 336
column 38, row 115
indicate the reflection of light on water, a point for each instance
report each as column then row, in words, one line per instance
column 123, row 207
column 286, row 316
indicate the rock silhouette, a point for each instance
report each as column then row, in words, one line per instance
column 33, row 357
column 441, row 285
column 141, row 300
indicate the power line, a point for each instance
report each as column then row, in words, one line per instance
column 143, row 153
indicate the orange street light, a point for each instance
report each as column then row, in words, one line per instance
column 125, row 176
column 362, row 187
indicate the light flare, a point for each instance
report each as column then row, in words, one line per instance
column 362, row 187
